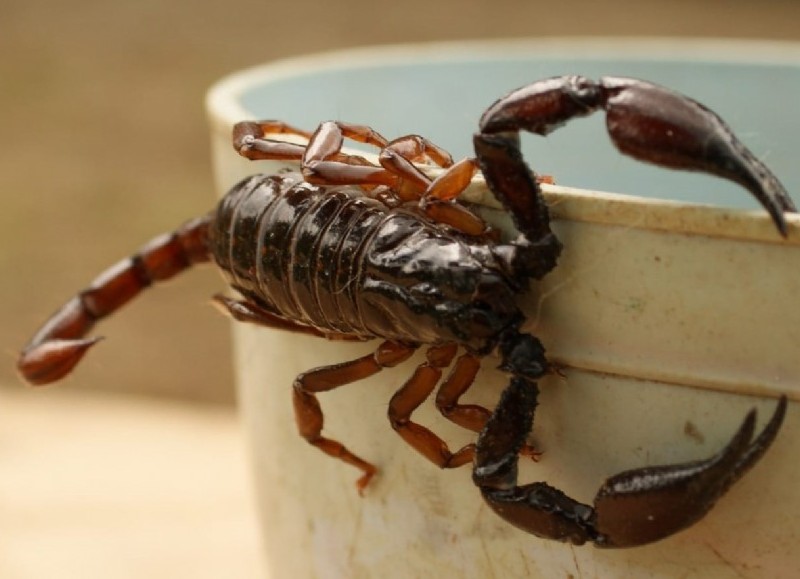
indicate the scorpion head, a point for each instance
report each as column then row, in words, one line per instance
column 423, row 285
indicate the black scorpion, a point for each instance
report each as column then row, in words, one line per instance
column 351, row 250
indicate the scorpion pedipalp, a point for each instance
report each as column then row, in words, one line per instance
column 647, row 504
column 659, row 126
column 631, row 508
column 645, row 121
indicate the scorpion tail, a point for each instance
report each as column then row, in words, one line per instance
column 60, row 343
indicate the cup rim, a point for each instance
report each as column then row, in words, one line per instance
column 224, row 108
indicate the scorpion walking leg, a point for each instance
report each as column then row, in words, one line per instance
column 60, row 344
column 436, row 196
column 469, row 416
column 409, row 397
column 420, row 386
column 321, row 159
column 308, row 413
column 250, row 142
column 323, row 163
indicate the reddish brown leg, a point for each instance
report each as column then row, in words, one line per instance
column 435, row 197
column 250, row 142
column 308, row 412
column 438, row 200
column 413, row 393
column 469, row 416
column 323, row 163
column 399, row 157
column 60, row 344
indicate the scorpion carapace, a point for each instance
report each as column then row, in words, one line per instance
column 348, row 249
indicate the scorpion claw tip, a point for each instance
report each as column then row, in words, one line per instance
column 53, row 359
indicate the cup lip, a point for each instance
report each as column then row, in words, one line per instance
column 224, row 109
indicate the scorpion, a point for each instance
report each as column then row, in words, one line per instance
column 349, row 249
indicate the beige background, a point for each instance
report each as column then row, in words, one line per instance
column 104, row 145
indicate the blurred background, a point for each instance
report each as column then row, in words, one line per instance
column 104, row 145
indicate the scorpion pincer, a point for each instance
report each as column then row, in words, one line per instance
column 348, row 249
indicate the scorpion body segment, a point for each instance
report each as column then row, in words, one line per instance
column 349, row 249
column 332, row 259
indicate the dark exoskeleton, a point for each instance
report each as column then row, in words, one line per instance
column 347, row 249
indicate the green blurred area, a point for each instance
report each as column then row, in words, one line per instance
column 105, row 141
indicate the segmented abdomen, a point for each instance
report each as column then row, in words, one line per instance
column 295, row 248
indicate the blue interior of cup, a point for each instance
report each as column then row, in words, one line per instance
column 443, row 100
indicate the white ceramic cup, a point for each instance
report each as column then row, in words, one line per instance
column 673, row 321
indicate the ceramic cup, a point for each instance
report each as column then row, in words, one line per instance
column 671, row 319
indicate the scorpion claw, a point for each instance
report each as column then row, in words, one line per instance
column 631, row 508
column 644, row 120
column 644, row 505
column 53, row 359
column 657, row 125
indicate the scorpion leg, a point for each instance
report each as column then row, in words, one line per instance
column 60, row 344
column 420, row 386
column 409, row 397
column 322, row 160
column 469, row 416
column 644, row 120
column 250, row 142
column 308, row 413
column 323, row 163
column 631, row 508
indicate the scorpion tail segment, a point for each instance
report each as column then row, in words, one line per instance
column 60, row 344
column 512, row 182
column 659, row 126
column 641, row 506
